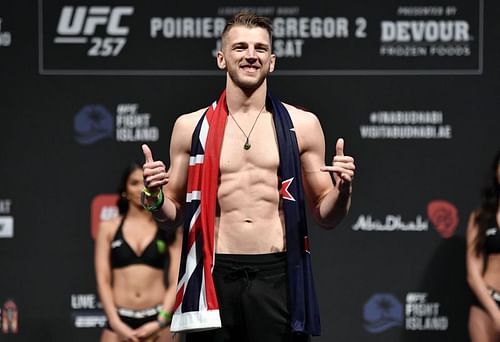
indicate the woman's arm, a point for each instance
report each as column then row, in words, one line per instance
column 173, row 272
column 475, row 267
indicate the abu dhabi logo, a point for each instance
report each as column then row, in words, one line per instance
column 93, row 123
column 444, row 217
column 391, row 223
column 382, row 312
column 80, row 25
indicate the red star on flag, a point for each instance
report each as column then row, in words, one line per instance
column 285, row 194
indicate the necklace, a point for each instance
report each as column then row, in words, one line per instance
column 247, row 144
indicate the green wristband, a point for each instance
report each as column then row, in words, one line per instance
column 167, row 316
column 155, row 206
column 148, row 193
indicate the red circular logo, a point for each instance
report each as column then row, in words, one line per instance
column 444, row 217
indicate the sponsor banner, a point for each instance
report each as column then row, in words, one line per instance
column 86, row 311
column 317, row 38
column 385, row 311
column 406, row 124
column 94, row 122
column 441, row 214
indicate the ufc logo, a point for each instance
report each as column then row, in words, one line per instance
column 84, row 20
column 108, row 213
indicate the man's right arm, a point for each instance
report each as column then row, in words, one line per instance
column 174, row 180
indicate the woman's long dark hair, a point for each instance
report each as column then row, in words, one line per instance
column 489, row 205
column 122, row 187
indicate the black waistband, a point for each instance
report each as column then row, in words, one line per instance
column 268, row 259
column 260, row 263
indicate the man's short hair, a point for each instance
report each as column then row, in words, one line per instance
column 249, row 20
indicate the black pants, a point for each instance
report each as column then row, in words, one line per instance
column 252, row 295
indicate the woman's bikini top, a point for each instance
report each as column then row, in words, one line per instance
column 492, row 241
column 154, row 255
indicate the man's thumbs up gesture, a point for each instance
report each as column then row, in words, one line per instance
column 154, row 172
column 342, row 167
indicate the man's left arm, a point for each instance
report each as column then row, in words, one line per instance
column 329, row 198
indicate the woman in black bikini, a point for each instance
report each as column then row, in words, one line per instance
column 132, row 255
column 483, row 263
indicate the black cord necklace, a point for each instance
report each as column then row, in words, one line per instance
column 247, row 144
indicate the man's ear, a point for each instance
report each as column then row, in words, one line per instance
column 221, row 61
column 273, row 62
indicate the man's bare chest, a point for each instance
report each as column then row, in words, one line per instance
column 242, row 151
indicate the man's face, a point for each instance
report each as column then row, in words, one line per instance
column 246, row 56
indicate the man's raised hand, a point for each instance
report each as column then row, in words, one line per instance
column 342, row 167
column 154, row 172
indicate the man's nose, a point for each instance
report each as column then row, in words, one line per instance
column 251, row 53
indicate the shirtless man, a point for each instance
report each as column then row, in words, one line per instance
column 250, row 226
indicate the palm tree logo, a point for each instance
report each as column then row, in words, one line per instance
column 381, row 312
column 93, row 123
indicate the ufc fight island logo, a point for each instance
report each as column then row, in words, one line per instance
column 101, row 26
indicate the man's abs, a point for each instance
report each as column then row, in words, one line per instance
column 249, row 219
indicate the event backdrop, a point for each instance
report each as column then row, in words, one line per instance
column 412, row 86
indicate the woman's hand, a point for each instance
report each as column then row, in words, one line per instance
column 148, row 331
column 124, row 332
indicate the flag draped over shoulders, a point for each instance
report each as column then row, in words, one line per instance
column 196, row 305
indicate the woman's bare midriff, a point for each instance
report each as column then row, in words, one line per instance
column 492, row 272
column 144, row 282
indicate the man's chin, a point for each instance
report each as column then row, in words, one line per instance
column 249, row 83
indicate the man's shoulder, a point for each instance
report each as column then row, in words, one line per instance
column 301, row 116
column 306, row 125
column 189, row 120
column 192, row 116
